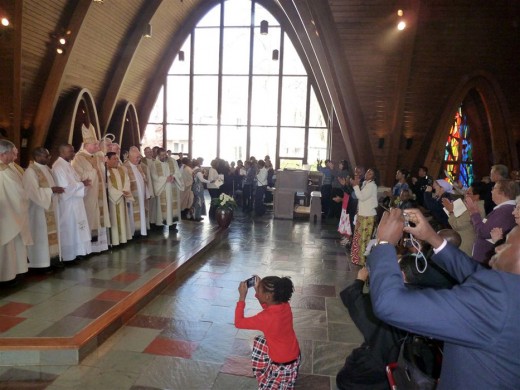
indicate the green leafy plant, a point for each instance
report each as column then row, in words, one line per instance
column 224, row 201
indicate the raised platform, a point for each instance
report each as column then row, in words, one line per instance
column 59, row 318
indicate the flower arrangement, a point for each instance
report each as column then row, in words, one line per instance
column 224, row 201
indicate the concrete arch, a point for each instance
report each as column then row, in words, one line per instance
column 69, row 116
column 125, row 125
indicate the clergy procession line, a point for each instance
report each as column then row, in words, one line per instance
column 87, row 202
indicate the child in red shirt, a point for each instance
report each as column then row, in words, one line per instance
column 276, row 355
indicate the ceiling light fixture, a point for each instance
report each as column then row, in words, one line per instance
column 148, row 31
column 5, row 22
column 264, row 27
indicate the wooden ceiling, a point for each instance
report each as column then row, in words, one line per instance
column 382, row 83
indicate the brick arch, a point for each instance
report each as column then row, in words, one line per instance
column 495, row 147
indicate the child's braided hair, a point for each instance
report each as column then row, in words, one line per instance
column 282, row 288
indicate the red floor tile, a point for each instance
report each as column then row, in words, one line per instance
column 112, row 295
column 7, row 323
column 237, row 365
column 166, row 347
column 126, row 277
column 14, row 308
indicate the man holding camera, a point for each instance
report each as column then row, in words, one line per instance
column 478, row 320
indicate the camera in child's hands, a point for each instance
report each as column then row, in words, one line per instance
column 251, row 281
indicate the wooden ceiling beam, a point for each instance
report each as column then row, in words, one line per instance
column 52, row 89
column 396, row 121
column 324, row 49
column 121, row 63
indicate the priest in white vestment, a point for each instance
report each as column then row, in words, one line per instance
column 15, row 234
column 119, row 195
column 148, row 163
column 73, row 223
column 138, row 209
column 89, row 164
column 167, row 184
column 43, row 210
column 187, row 193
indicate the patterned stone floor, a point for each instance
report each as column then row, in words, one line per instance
column 185, row 338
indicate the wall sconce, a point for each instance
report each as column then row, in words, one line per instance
column 275, row 54
column 148, row 31
column 381, row 143
column 408, row 143
column 264, row 27
column 5, row 22
column 181, row 55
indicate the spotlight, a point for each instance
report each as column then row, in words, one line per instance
column 401, row 25
column 264, row 27
column 59, row 50
column 5, row 22
column 62, row 41
column 148, row 31
column 400, row 12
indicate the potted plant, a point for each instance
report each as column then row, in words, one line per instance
column 225, row 205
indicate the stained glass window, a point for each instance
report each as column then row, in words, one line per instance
column 458, row 154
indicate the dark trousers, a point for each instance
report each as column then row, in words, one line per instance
column 326, row 193
column 247, row 197
column 259, row 200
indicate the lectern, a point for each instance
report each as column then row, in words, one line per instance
column 288, row 183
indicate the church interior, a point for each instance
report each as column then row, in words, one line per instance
column 158, row 313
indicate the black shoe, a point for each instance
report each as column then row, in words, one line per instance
column 10, row 283
column 58, row 265
column 94, row 239
column 173, row 228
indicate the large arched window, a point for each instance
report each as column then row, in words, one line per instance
column 238, row 88
column 458, row 154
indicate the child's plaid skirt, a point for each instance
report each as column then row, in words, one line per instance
column 269, row 374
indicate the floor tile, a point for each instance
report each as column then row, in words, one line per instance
column 7, row 322
column 14, row 308
column 112, row 295
column 237, row 365
column 167, row 347
column 92, row 309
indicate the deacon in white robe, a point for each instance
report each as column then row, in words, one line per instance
column 89, row 164
column 73, row 223
column 187, row 193
column 148, row 165
column 138, row 209
column 119, row 195
column 43, row 210
column 167, row 184
column 15, row 234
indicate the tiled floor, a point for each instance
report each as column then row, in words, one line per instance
column 185, row 338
